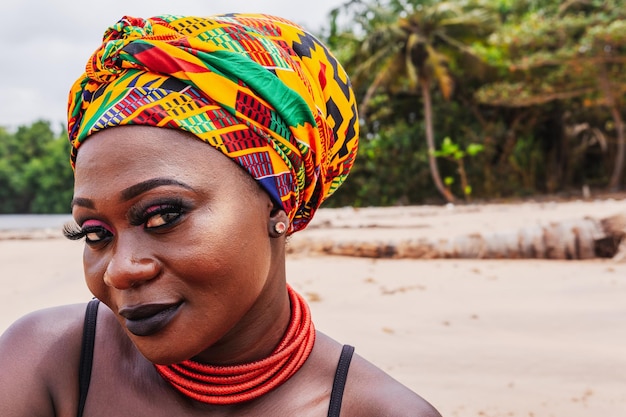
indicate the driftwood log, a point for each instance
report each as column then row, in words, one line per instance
column 584, row 238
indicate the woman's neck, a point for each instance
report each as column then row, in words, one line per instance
column 257, row 334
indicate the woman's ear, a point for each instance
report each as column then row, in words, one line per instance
column 278, row 223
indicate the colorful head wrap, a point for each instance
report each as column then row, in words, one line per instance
column 258, row 88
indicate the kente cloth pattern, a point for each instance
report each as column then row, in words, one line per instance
column 258, row 88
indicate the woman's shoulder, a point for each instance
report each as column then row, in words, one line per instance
column 369, row 391
column 40, row 331
column 372, row 392
column 39, row 356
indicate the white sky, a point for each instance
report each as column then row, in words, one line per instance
column 44, row 44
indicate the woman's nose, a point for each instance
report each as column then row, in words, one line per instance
column 129, row 267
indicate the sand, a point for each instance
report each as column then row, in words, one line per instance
column 482, row 338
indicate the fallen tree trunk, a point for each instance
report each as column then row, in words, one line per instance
column 585, row 238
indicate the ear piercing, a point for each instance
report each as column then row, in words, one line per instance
column 280, row 227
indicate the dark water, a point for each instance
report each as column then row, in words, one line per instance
column 33, row 221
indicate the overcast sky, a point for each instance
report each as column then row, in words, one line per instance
column 44, row 44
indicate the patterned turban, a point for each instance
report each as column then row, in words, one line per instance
column 258, row 88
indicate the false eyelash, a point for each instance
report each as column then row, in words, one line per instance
column 72, row 231
column 138, row 215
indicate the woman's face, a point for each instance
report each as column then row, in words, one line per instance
column 177, row 239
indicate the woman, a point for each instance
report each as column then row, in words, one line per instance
column 185, row 243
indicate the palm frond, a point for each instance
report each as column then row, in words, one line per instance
column 412, row 70
column 437, row 63
column 387, row 72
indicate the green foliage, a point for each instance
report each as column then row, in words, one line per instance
column 453, row 150
column 35, row 175
column 456, row 153
column 574, row 52
column 549, row 53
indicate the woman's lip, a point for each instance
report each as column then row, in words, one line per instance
column 147, row 319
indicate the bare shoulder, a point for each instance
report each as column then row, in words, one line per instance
column 39, row 357
column 372, row 392
column 49, row 323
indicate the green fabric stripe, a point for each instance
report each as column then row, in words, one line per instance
column 288, row 103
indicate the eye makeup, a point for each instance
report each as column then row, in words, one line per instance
column 157, row 214
column 151, row 214
column 93, row 231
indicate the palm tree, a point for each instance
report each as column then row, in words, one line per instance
column 408, row 47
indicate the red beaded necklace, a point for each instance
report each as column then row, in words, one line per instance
column 239, row 383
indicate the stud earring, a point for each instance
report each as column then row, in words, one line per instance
column 280, row 227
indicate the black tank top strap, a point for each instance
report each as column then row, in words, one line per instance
column 86, row 353
column 341, row 375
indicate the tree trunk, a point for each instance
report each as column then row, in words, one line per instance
column 616, row 179
column 430, row 140
column 618, row 168
column 585, row 238
column 464, row 183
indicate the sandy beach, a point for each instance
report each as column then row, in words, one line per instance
column 485, row 338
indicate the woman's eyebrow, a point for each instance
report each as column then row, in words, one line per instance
column 134, row 191
column 84, row 202
column 140, row 188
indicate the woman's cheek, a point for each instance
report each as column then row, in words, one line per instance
column 94, row 268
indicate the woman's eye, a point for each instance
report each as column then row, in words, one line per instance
column 96, row 234
column 162, row 217
column 93, row 231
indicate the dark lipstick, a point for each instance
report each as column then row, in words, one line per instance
column 147, row 319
